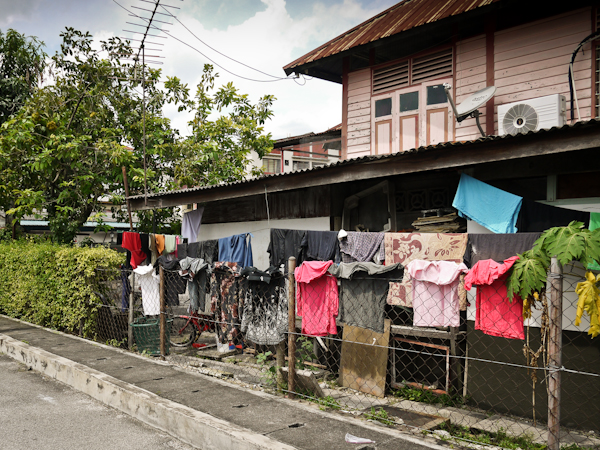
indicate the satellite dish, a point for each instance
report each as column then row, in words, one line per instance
column 475, row 101
column 470, row 106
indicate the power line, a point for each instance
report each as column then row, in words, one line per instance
column 198, row 51
column 220, row 53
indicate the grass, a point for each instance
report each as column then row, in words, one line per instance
column 324, row 403
column 425, row 396
column 380, row 416
column 500, row 439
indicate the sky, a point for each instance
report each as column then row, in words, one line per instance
column 264, row 34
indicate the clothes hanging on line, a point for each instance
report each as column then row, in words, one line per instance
column 496, row 315
column 170, row 244
column 196, row 272
column 493, row 208
column 435, row 296
column 207, row 250
column 363, row 292
column 237, row 249
column 362, row 247
column 321, row 246
column 227, row 292
column 405, row 247
column 265, row 312
column 317, row 298
column 539, row 217
column 285, row 244
column 145, row 241
column 497, row 246
column 153, row 249
column 149, row 282
column 174, row 284
column 182, row 251
column 133, row 243
column 190, row 225
column 160, row 243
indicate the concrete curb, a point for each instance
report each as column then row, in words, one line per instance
column 193, row 427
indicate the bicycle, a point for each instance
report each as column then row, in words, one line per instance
column 185, row 329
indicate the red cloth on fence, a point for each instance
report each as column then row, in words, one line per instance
column 133, row 243
column 317, row 298
column 496, row 315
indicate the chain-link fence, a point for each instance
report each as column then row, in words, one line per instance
column 412, row 349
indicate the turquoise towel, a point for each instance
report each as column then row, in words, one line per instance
column 491, row 207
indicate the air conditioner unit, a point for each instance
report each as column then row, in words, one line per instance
column 532, row 115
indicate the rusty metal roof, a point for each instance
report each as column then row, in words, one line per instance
column 137, row 200
column 401, row 17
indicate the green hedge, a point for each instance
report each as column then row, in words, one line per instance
column 53, row 285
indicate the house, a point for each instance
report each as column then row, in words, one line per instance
column 305, row 151
column 402, row 151
column 393, row 67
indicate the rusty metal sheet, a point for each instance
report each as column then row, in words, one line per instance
column 401, row 17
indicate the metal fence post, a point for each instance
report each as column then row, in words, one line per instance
column 131, row 306
column 163, row 316
column 554, row 354
column 291, row 327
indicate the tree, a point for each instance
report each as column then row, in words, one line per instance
column 63, row 152
column 218, row 150
column 22, row 62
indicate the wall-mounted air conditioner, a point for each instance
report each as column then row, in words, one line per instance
column 532, row 115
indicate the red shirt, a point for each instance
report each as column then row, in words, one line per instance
column 496, row 315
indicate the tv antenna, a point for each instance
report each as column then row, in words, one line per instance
column 150, row 28
column 470, row 106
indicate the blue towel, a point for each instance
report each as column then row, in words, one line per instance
column 491, row 207
column 235, row 249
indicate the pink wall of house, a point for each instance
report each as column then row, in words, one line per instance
column 529, row 61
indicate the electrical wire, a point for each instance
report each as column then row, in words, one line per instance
column 198, row 51
column 220, row 53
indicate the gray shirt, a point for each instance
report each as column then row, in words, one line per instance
column 363, row 292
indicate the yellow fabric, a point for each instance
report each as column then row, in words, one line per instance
column 589, row 301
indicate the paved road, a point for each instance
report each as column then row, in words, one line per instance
column 37, row 412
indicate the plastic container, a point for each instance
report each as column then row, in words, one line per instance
column 146, row 335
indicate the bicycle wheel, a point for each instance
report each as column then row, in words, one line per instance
column 183, row 332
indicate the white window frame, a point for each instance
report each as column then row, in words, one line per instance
column 423, row 112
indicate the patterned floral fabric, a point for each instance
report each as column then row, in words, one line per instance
column 406, row 247
column 227, row 293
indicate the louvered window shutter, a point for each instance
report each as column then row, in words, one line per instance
column 389, row 78
column 432, row 66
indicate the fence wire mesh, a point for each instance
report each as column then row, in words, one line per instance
column 414, row 355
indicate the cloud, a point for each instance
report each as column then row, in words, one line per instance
column 268, row 40
column 13, row 10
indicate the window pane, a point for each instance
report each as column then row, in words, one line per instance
column 436, row 94
column 272, row 165
column 383, row 107
column 300, row 165
column 409, row 101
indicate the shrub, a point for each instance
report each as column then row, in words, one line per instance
column 53, row 285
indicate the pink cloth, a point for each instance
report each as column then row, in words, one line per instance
column 496, row 315
column 406, row 247
column 316, row 298
column 435, row 295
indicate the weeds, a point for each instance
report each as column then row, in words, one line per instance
column 425, row 396
column 500, row 439
column 270, row 370
column 380, row 416
column 117, row 343
column 305, row 353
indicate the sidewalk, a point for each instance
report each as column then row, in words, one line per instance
column 200, row 410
